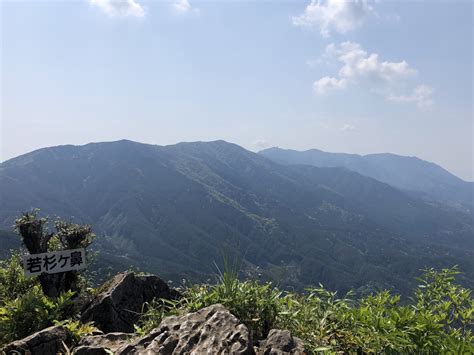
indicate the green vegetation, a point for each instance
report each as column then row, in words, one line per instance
column 171, row 210
column 13, row 282
column 438, row 319
column 37, row 239
column 405, row 173
column 31, row 312
column 29, row 304
column 24, row 309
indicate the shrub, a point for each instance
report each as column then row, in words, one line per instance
column 37, row 239
column 31, row 312
column 76, row 329
column 13, row 282
column 255, row 305
column 316, row 318
column 154, row 312
column 27, row 304
column 439, row 318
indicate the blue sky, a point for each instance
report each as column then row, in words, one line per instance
column 358, row 76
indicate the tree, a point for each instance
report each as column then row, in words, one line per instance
column 36, row 238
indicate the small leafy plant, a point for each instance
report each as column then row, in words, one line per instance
column 439, row 318
column 76, row 329
column 13, row 282
column 31, row 312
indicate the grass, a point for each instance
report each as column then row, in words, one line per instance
column 439, row 318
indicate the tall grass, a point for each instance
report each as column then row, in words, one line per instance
column 438, row 320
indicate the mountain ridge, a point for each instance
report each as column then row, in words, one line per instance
column 356, row 155
column 411, row 174
column 173, row 209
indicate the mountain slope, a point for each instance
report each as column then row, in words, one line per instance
column 175, row 209
column 9, row 241
column 407, row 173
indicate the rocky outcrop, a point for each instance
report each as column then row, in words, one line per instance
column 211, row 330
column 91, row 350
column 118, row 306
column 45, row 342
column 102, row 344
column 281, row 342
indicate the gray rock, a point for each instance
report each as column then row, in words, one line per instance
column 90, row 350
column 45, row 342
column 281, row 342
column 211, row 330
column 102, row 344
column 117, row 308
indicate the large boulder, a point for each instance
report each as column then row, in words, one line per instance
column 211, row 330
column 118, row 306
column 280, row 342
column 102, row 344
column 45, row 342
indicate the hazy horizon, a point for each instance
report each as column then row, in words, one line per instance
column 250, row 149
column 359, row 77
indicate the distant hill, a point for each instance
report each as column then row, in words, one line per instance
column 407, row 173
column 8, row 241
column 174, row 210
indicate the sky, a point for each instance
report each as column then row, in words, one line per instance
column 341, row 76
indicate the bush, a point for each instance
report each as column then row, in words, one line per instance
column 316, row 317
column 31, row 312
column 37, row 239
column 439, row 318
column 24, row 309
column 255, row 305
column 13, row 282
column 26, row 303
column 76, row 329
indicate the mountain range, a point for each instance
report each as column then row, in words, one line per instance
column 176, row 210
column 410, row 174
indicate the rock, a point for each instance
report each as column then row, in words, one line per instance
column 45, row 342
column 90, row 350
column 117, row 308
column 281, row 342
column 211, row 330
column 102, row 344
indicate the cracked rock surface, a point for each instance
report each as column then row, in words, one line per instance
column 281, row 342
column 211, row 330
column 118, row 306
column 102, row 344
column 45, row 342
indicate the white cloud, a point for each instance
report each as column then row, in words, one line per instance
column 119, row 8
column 422, row 95
column 360, row 67
column 183, row 7
column 348, row 127
column 339, row 15
column 327, row 83
column 358, row 64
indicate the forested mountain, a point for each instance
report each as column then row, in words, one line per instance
column 8, row 241
column 412, row 174
column 174, row 210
